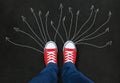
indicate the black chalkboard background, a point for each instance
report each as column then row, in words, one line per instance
column 19, row 65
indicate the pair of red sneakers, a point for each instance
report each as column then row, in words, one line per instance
column 50, row 52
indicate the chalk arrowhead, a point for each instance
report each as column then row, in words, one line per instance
column 110, row 42
column 64, row 18
column 40, row 12
column 78, row 12
column 32, row 10
column 70, row 9
column 92, row 7
column 51, row 22
column 110, row 13
column 107, row 30
column 61, row 6
column 23, row 18
column 47, row 13
column 16, row 29
column 7, row 38
column 97, row 10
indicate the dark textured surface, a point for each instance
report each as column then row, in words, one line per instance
column 19, row 65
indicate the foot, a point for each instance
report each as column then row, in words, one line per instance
column 50, row 53
column 69, row 52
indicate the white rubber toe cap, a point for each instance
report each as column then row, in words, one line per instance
column 69, row 44
column 50, row 45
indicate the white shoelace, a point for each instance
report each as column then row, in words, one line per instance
column 69, row 56
column 51, row 57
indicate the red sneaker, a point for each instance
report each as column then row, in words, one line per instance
column 69, row 52
column 50, row 52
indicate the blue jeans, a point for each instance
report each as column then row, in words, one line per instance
column 69, row 75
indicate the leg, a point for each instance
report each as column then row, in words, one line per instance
column 70, row 73
column 48, row 75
